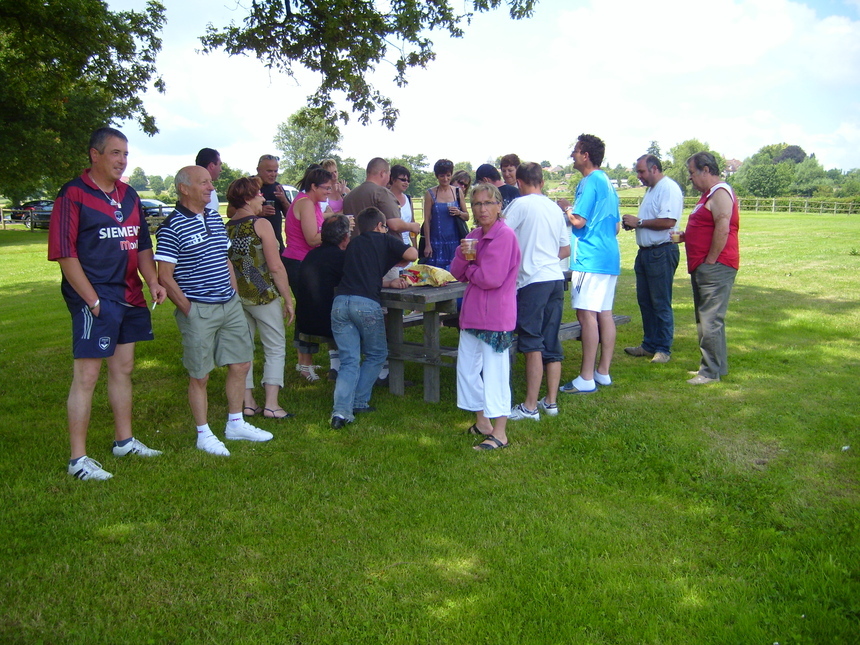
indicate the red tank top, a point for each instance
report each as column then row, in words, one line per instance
column 700, row 232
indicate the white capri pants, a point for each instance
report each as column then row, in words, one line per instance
column 269, row 320
column 490, row 391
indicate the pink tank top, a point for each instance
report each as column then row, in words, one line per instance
column 297, row 246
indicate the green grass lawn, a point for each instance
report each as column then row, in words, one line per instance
column 650, row 512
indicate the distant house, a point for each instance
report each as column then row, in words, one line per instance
column 732, row 166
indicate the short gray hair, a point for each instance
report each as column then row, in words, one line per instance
column 183, row 178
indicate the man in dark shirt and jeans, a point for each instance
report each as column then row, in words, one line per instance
column 356, row 316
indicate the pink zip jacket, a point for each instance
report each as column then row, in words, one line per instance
column 490, row 301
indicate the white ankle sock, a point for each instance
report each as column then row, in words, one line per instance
column 204, row 429
column 582, row 385
column 602, row 379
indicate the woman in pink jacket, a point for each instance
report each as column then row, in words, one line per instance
column 487, row 318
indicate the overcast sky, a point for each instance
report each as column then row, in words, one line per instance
column 737, row 74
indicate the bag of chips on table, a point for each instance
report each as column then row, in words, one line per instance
column 424, row 274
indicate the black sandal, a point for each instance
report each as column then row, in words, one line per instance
column 286, row 415
column 489, row 446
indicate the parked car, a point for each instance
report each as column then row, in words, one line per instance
column 155, row 208
column 291, row 191
column 34, row 214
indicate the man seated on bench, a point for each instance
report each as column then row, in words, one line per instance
column 319, row 274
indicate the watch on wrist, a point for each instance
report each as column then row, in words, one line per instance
column 94, row 305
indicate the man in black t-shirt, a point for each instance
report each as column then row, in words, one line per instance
column 488, row 174
column 357, row 322
column 267, row 170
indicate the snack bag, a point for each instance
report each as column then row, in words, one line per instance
column 424, row 274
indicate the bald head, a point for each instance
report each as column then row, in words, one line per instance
column 194, row 187
column 378, row 171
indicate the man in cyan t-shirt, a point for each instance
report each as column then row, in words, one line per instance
column 357, row 322
column 596, row 263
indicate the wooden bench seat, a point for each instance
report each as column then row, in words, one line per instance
column 415, row 352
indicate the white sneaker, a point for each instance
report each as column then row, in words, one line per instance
column 87, row 468
column 242, row 430
column 520, row 411
column 212, row 444
column 135, row 447
column 548, row 408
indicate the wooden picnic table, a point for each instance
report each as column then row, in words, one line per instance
column 432, row 302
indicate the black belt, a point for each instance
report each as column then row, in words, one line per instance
column 655, row 246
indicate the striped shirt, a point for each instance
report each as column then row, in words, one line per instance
column 197, row 244
column 105, row 239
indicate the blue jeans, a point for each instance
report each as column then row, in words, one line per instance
column 655, row 270
column 358, row 327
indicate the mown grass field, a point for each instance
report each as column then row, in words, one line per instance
column 650, row 512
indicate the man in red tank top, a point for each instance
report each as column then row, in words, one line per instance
column 711, row 238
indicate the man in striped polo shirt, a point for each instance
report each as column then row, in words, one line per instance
column 194, row 269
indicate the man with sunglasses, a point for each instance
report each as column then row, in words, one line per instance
column 267, row 170
column 194, row 268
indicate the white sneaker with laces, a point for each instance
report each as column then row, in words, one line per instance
column 212, row 444
column 244, row 431
column 135, row 447
column 548, row 408
column 87, row 468
column 519, row 411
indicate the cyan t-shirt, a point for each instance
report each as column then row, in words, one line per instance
column 596, row 244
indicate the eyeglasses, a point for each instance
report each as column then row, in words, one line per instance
column 269, row 158
column 483, row 204
column 405, row 180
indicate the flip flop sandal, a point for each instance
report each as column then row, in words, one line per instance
column 286, row 415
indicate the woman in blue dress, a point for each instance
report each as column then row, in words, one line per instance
column 444, row 205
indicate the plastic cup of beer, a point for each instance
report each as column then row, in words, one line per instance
column 676, row 235
column 469, row 248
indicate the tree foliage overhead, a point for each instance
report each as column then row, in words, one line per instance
column 68, row 67
column 345, row 40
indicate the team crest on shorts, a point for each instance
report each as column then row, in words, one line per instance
column 104, row 342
